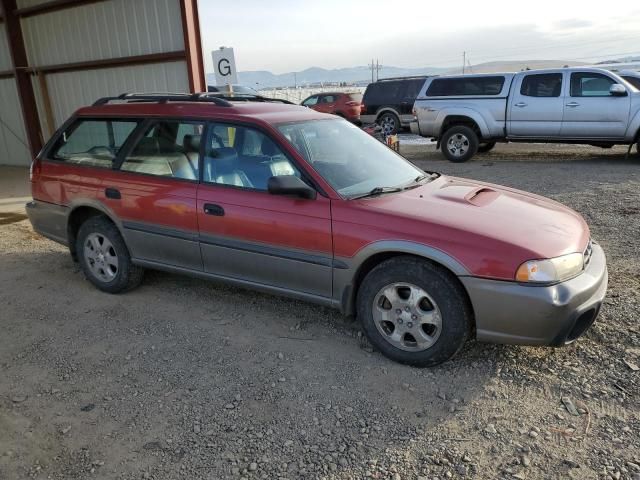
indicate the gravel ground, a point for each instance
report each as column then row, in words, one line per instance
column 184, row 379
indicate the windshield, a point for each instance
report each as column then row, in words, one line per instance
column 350, row 160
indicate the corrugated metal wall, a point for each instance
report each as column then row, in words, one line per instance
column 119, row 28
column 72, row 90
column 5, row 58
column 95, row 31
column 13, row 141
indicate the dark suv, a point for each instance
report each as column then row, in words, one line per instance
column 388, row 102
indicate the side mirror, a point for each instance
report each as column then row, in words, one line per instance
column 618, row 90
column 290, row 185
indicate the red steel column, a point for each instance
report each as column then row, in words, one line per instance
column 193, row 45
column 23, row 78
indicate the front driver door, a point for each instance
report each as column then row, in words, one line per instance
column 591, row 112
column 250, row 235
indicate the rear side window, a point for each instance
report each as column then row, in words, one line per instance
column 168, row 149
column 473, row 86
column 542, row 85
column 413, row 88
column 93, row 142
column 383, row 93
column 586, row 84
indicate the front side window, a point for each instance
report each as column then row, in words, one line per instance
column 474, row 86
column 350, row 160
column 168, row 149
column 542, row 85
column 590, row 85
column 244, row 157
column 309, row 102
column 93, row 142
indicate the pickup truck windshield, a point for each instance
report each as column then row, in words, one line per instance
column 351, row 161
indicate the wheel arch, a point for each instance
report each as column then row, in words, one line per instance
column 80, row 213
column 384, row 110
column 465, row 117
column 372, row 255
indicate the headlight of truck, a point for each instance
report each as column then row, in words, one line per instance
column 551, row 270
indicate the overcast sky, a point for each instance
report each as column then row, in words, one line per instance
column 291, row 35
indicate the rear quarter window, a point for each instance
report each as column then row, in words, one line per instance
column 93, row 142
column 466, row 86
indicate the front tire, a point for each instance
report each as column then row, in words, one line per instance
column 105, row 258
column 390, row 123
column 413, row 311
column 459, row 144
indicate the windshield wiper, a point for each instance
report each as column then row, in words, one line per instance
column 378, row 191
column 416, row 182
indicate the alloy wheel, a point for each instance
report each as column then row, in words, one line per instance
column 458, row 144
column 407, row 317
column 101, row 257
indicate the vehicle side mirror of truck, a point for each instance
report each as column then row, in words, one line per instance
column 617, row 90
column 290, row 185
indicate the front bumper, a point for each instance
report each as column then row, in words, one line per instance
column 510, row 312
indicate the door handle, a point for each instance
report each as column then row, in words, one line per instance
column 113, row 193
column 573, row 104
column 520, row 104
column 213, row 209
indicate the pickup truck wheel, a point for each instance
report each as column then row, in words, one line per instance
column 486, row 147
column 459, row 144
column 105, row 258
column 413, row 311
column 389, row 122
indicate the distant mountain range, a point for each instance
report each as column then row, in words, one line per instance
column 362, row 74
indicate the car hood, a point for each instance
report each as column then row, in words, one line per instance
column 489, row 228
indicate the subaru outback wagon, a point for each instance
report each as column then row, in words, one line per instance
column 283, row 199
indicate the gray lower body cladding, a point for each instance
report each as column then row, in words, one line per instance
column 505, row 312
column 513, row 313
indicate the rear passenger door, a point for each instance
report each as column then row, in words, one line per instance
column 536, row 106
column 250, row 235
column 153, row 192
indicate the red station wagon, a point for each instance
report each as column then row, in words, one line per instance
column 286, row 200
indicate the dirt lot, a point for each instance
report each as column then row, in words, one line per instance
column 193, row 380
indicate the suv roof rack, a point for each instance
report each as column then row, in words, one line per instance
column 220, row 99
column 247, row 97
column 410, row 77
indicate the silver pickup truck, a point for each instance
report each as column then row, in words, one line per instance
column 470, row 113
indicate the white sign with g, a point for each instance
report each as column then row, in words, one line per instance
column 224, row 64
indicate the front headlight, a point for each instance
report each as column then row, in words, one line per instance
column 551, row 270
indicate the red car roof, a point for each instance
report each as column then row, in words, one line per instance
column 268, row 112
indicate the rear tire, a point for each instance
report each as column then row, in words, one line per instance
column 486, row 147
column 459, row 144
column 105, row 258
column 389, row 122
column 413, row 311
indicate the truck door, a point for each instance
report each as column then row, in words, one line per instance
column 591, row 111
column 536, row 106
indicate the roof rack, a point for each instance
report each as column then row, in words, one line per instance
column 220, row 99
column 164, row 98
column 247, row 97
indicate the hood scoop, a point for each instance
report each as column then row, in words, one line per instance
column 482, row 196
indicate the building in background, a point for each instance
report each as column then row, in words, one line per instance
column 58, row 55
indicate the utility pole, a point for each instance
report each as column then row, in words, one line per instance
column 464, row 61
column 372, row 66
column 377, row 70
